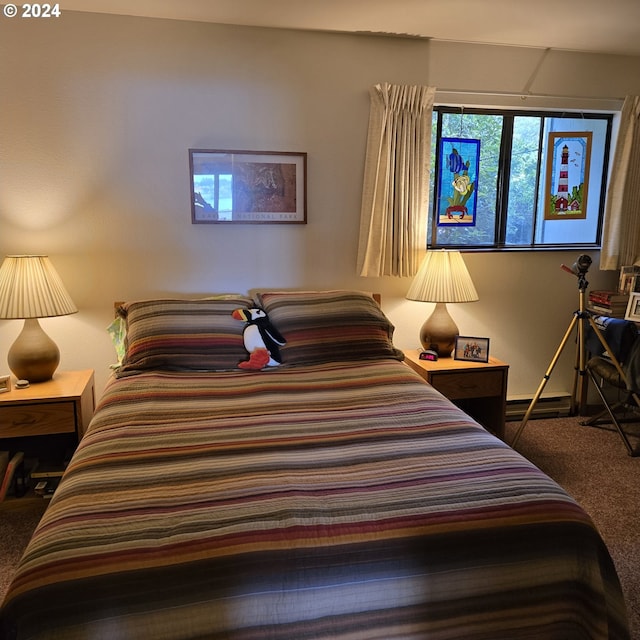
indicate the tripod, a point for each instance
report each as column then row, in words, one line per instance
column 581, row 318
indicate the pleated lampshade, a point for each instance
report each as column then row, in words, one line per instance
column 30, row 288
column 442, row 277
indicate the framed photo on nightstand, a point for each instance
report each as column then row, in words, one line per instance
column 471, row 349
column 5, row 383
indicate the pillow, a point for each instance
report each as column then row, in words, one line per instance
column 327, row 326
column 177, row 335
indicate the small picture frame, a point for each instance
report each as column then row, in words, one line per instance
column 5, row 383
column 471, row 349
column 633, row 308
column 628, row 277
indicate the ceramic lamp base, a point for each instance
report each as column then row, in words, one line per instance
column 34, row 356
column 439, row 331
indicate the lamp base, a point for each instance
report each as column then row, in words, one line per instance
column 34, row 356
column 439, row 331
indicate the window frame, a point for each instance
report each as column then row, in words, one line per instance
column 504, row 174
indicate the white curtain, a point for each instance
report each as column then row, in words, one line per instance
column 621, row 231
column 393, row 219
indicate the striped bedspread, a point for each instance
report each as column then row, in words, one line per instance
column 342, row 501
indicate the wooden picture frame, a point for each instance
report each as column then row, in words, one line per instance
column 248, row 187
column 471, row 349
column 628, row 279
column 633, row 308
column 567, row 179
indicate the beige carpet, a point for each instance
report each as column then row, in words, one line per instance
column 17, row 523
column 593, row 466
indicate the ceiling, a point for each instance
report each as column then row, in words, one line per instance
column 602, row 26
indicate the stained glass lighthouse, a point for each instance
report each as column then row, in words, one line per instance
column 562, row 201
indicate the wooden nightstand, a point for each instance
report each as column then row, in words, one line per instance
column 478, row 388
column 47, row 419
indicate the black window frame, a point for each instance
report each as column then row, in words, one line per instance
column 504, row 174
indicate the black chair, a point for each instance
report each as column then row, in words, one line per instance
column 622, row 376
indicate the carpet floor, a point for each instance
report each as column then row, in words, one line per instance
column 590, row 464
column 16, row 526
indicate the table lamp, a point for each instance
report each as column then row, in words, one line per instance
column 30, row 288
column 442, row 278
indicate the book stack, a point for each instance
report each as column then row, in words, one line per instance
column 608, row 303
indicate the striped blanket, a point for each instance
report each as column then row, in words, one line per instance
column 342, row 501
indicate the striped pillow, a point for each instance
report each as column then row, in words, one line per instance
column 177, row 335
column 328, row 326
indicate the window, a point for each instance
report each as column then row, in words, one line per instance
column 214, row 195
column 538, row 180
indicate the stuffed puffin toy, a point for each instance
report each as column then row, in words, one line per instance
column 261, row 339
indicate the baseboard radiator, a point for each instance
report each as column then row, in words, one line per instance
column 546, row 407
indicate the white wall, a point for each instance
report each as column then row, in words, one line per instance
column 97, row 115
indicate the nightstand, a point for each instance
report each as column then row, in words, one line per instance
column 478, row 388
column 47, row 419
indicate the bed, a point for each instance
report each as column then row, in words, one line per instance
column 335, row 495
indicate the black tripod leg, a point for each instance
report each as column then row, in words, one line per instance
column 544, row 381
column 612, row 416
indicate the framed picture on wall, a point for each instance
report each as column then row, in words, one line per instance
column 248, row 187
